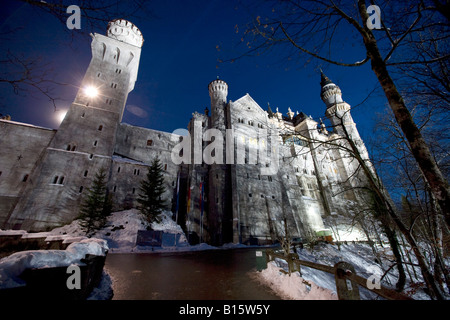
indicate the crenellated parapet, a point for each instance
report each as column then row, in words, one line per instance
column 125, row 31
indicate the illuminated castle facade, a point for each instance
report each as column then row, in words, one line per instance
column 282, row 172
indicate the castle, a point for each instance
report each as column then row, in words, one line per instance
column 277, row 173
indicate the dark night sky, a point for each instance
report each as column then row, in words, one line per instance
column 179, row 58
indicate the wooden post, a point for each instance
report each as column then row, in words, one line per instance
column 346, row 289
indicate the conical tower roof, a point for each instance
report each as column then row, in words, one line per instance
column 324, row 80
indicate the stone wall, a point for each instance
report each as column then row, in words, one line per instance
column 21, row 148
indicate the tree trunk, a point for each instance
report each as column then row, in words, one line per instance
column 384, row 201
column 390, row 233
column 419, row 148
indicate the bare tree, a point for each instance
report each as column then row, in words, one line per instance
column 365, row 180
column 418, row 205
column 310, row 29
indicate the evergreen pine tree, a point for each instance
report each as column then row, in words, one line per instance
column 151, row 190
column 96, row 207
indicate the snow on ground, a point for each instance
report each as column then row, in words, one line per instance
column 12, row 266
column 358, row 254
column 121, row 231
column 293, row 287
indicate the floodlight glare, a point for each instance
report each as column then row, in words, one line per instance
column 91, row 91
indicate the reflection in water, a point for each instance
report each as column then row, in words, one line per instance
column 213, row 274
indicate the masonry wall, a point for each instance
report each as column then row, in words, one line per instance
column 21, row 147
column 134, row 150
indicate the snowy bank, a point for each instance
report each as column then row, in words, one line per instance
column 293, row 287
column 12, row 266
column 121, row 231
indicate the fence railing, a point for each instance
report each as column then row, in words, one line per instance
column 347, row 280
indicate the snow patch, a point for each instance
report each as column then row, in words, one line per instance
column 12, row 266
column 293, row 287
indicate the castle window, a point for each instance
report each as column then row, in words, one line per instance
column 269, row 178
column 249, row 195
column 259, row 177
column 114, row 189
column 149, row 142
column 118, row 71
column 113, row 85
column 95, row 143
column 91, row 156
column 69, row 147
column 98, row 75
column 61, row 180
column 273, row 197
column 165, row 166
column 134, row 190
column 217, row 200
column 118, row 169
column 0, row 173
column 305, row 171
column 81, row 189
column 262, row 196
column 55, row 180
column 73, row 148
column 25, row 178
column 83, row 114
column 100, row 128
column 313, row 172
column 86, row 173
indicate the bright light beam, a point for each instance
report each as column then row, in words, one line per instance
column 91, row 91
column 60, row 115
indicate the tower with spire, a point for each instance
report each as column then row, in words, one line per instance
column 338, row 111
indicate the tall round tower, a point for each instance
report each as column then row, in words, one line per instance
column 337, row 111
column 218, row 91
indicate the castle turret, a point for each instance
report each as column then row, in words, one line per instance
column 218, row 91
column 219, row 197
column 337, row 111
column 91, row 122
column 84, row 142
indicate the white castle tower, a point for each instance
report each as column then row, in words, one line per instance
column 85, row 140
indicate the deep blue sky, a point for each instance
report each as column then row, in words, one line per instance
column 179, row 58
